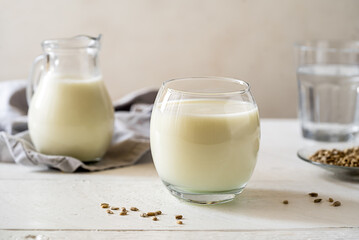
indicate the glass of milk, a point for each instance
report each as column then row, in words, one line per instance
column 70, row 111
column 205, row 137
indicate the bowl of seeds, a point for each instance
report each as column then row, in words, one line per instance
column 341, row 159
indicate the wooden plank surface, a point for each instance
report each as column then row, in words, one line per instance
column 316, row 234
column 38, row 201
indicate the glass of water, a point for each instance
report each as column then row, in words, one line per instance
column 328, row 85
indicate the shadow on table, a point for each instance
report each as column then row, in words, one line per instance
column 343, row 178
column 264, row 203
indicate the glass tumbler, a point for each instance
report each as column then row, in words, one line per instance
column 328, row 85
column 205, row 137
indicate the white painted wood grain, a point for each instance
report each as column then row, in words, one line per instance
column 62, row 205
column 75, row 204
column 340, row 234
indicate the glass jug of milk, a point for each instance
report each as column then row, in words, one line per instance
column 70, row 111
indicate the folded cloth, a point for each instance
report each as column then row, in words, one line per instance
column 130, row 139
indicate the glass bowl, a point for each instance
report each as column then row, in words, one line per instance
column 305, row 153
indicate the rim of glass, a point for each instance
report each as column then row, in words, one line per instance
column 77, row 42
column 332, row 45
column 227, row 79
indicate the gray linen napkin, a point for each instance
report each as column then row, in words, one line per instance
column 130, row 139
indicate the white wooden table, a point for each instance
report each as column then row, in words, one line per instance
column 37, row 203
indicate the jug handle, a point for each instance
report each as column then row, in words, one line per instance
column 35, row 74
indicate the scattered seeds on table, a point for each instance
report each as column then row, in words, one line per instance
column 178, row 216
column 123, row 209
column 313, row 194
column 179, row 222
column 134, row 209
column 114, row 208
column 318, row 200
column 105, row 205
column 155, row 219
column 158, row 212
column 143, row 215
column 285, row 202
column 330, row 200
column 123, row 213
column 336, row 204
column 30, row 236
column 150, row 214
column 109, row 212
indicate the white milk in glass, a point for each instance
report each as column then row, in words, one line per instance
column 205, row 145
column 72, row 117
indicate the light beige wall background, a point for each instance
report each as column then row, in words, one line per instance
column 148, row 41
